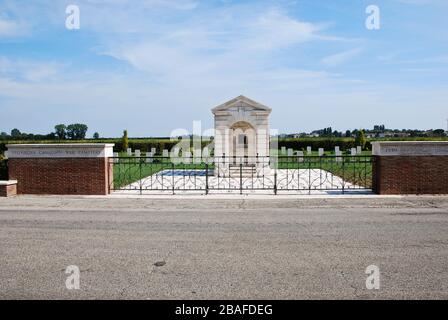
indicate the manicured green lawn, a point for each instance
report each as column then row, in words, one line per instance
column 129, row 170
column 356, row 170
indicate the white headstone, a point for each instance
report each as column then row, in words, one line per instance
column 197, row 156
column 283, row 151
column 116, row 155
column 336, row 149
column 165, row 153
column 153, row 151
column 187, row 157
column 290, row 152
column 205, row 152
column 353, row 151
column 338, row 156
column 308, row 150
column 358, row 150
column 321, row 152
column 149, row 156
column 300, row 155
column 137, row 153
column 129, row 152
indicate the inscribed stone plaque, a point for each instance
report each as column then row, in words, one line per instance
column 410, row 148
column 69, row 150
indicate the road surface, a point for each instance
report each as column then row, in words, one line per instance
column 223, row 249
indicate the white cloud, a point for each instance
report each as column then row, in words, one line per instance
column 172, row 4
column 420, row 2
column 342, row 57
column 29, row 70
column 275, row 30
column 219, row 47
column 9, row 28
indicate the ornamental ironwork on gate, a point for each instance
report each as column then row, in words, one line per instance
column 281, row 174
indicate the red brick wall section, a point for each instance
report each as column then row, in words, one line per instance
column 8, row 190
column 410, row 174
column 81, row 176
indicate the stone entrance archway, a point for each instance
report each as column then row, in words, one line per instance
column 241, row 128
column 241, row 134
column 242, row 140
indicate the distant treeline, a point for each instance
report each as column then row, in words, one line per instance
column 74, row 131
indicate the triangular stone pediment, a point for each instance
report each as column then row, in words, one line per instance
column 241, row 101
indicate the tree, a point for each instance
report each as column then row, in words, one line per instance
column 96, row 135
column 76, row 131
column 438, row 133
column 15, row 133
column 360, row 139
column 348, row 133
column 60, row 131
column 124, row 140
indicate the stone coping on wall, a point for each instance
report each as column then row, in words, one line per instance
column 410, row 148
column 60, row 150
column 7, row 182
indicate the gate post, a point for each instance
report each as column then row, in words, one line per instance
column 140, row 174
column 275, row 181
column 206, row 177
column 343, row 174
column 172, row 175
column 241, row 178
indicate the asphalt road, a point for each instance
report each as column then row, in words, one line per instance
column 223, row 250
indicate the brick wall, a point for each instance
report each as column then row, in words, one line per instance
column 410, row 174
column 82, row 176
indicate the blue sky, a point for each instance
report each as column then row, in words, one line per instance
column 152, row 66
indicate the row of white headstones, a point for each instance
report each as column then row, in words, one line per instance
column 204, row 153
column 165, row 153
column 290, row 152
